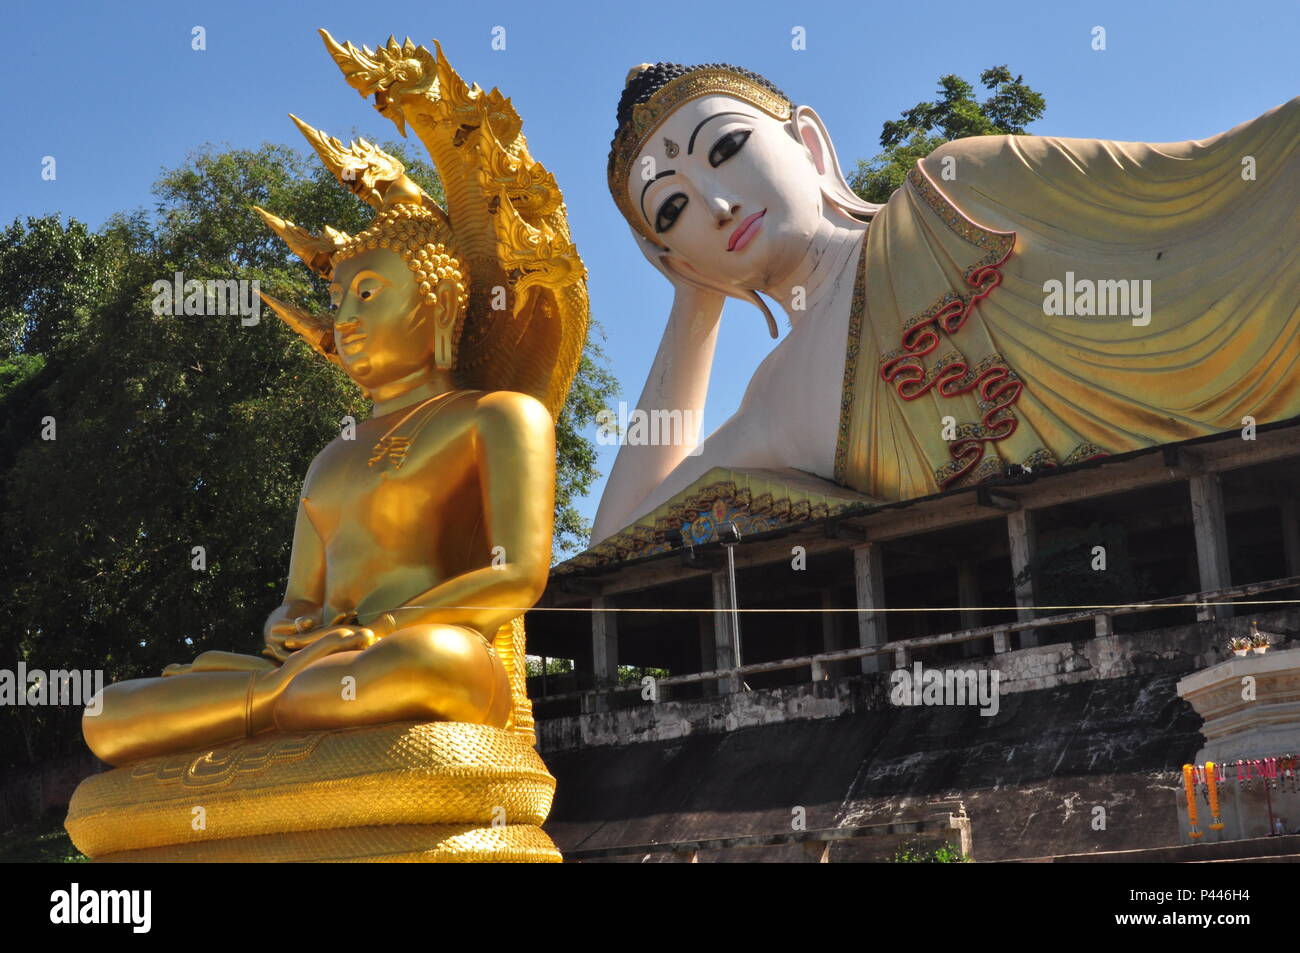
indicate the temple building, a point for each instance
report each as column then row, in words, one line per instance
column 1168, row 551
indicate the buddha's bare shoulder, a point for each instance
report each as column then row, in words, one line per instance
column 501, row 418
column 503, row 409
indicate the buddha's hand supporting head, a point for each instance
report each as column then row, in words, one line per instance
column 723, row 177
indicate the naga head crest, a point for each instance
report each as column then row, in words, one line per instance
column 504, row 235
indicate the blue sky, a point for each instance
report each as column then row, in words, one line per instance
column 115, row 93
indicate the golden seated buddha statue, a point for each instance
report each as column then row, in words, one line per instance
column 397, row 655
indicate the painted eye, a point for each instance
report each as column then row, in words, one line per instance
column 727, row 146
column 366, row 295
column 669, row 211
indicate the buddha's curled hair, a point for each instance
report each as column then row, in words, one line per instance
column 648, row 78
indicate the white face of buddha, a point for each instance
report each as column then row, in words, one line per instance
column 730, row 191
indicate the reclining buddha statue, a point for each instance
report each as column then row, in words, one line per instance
column 1020, row 302
column 420, row 538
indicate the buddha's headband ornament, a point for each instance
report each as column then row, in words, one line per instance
column 648, row 116
column 521, row 311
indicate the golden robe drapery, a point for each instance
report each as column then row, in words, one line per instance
column 950, row 319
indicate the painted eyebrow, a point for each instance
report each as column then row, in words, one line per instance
column 690, row 146
column 650, row 183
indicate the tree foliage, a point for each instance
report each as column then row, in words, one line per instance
column 1008, row 110
column 173, row 432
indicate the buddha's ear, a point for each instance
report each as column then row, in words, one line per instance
column 684, row 272
column 809, row 129
column 447, row 295
column 422, row 313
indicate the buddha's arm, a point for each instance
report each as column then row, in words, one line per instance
column 751, row 437
column 305, row 593
column 678, row 381
column 514, row 453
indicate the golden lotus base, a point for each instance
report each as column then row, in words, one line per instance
column 434, row 792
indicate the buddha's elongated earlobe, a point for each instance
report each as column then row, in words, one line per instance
column 445, row 320
column 754, row 298
column 686, row 273
column 809, row 129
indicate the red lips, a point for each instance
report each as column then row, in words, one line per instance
column 745, row 232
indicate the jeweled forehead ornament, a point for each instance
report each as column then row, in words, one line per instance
column 639, row 128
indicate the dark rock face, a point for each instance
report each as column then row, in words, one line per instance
column 1032, row 778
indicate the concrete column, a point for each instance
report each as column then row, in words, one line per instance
column 869, row 581
column 830, row 624
column 708, row 652
column 829, row 620
column 604, row 647
column 1291, row 536
column 1211, row 540
column 722, row 635
column 968, row 596
column 1023, row 536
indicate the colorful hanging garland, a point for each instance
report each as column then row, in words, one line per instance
column 1271, row 774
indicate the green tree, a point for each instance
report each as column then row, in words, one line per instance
column 919, row 853
column 594, row 388
column 173, row 432
column 554, row 666
column 1009, row 109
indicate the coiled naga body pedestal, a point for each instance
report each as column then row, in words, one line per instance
column 432, row 792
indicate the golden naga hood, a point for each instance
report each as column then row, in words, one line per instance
column 524, row 323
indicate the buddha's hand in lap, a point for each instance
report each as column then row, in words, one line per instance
column 327, row 641
column 268, row 687
column 300, row 643
column 287, row 637
column 221, row 662
column 217, row 661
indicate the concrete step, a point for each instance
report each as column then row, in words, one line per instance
column 1278, row 859
column 1278, row 850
